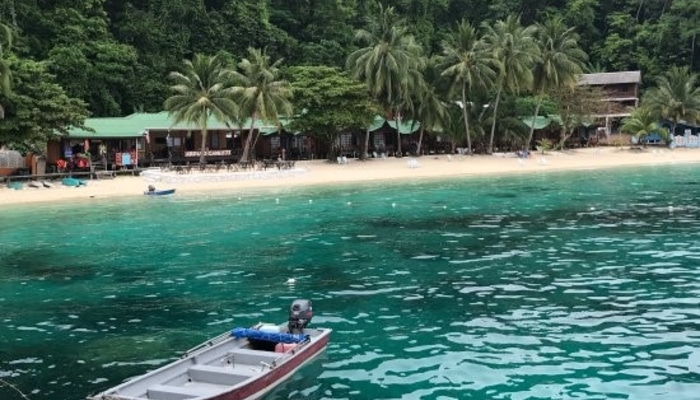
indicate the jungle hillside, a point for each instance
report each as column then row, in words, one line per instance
column 62, row 61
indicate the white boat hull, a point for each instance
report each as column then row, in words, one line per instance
column 223, row 368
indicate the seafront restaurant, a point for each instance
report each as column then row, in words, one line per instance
column 147, row 139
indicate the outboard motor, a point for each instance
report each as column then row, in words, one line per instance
column 300, row 314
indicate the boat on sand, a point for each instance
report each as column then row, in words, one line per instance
column 163, row 192
column 243, row 364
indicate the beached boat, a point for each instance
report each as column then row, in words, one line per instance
column 163, row 192
column 243, row 364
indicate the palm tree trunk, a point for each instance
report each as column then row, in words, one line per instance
column 246, row 147
column 692, row 52
column 398, row 134
column 203, row 148
column 532, row 127
column 493, row 124
column 420, row 140
column 466, row 119
column 639, row 10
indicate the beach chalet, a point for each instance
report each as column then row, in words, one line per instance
column 383, row 137
column 621, row 90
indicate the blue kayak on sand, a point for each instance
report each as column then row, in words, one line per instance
column 72, row 182
column 164, row 192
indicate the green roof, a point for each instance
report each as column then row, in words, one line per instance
column 540, row 122
column 135, row 125
column 406, row 127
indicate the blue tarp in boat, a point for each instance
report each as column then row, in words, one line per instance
column 269, row 336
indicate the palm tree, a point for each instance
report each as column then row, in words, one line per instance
column 389, row 65
column 201, row 91
column 430, row 110
column 676, row 97
column 643, row 123
column 468, row 64
column 5, row 73
column 514, row 50
column 560, row 62
column 262, row 93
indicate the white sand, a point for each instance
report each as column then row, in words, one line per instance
column 320, row 172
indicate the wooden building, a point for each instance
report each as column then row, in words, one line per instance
column 621, row 91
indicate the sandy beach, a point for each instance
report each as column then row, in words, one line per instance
column 321, row 172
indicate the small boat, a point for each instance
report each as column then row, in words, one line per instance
column 163, row 192
column 243, row 364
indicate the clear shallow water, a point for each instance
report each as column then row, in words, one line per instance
column 575, row 285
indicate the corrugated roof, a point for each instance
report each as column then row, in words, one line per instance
column 406, row 127
column 611, row 78
column 135, row 125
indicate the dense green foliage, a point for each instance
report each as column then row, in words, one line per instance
column 115, row 55
column 37, row 107
column 329, row 101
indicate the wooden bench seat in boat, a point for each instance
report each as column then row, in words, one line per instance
column 228, row 376
column 170, row 392
column 251, row 357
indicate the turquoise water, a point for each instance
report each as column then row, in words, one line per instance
column 552, row 286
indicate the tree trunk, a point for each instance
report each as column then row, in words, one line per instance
column 203, row 148
column 466, row 119
column 246, row 146
column 639, row 9
column 420, row 140
column 532, row 128
column 493, row 124
column 692, row 52
column 566, row 134
column 331, row 150
column 365, row 149
column 398, row 134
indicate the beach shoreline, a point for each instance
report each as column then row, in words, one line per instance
column 321, row 172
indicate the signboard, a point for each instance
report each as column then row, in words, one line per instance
column 208, row 153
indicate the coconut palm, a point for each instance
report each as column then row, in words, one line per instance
column 560, row 62
column 201, row 91
column 430, row 110
column 390, row 64
column 469, row 66
column 5, row 73
column 643, row 123
column 514, row 50
column 262, row 93
column 676, row 97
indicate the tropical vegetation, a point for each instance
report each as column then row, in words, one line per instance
column 202, row 91
column 466, row 70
